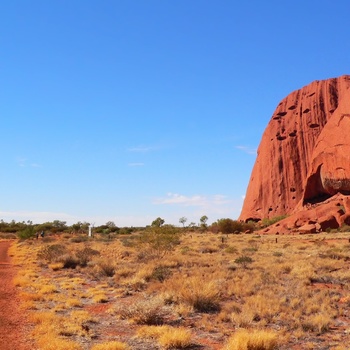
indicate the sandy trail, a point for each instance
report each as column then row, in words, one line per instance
column 14, row 332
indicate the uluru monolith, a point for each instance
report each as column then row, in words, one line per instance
column 303, row 160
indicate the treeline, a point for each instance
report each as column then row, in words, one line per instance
column 26, row 229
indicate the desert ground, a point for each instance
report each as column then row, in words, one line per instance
column 204, row 291
column 14, row 327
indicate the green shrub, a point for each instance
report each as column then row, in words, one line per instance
column 161, row 273
column 159, row 240
column 270, row 221
column 278, row 254
column 28, row 232
column 244, row 261
column 129, row 241
column 227, row 226
column 231, row 250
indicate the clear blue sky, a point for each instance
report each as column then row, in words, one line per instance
column 129, row 110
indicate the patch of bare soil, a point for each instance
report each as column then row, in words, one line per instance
column 14, row 328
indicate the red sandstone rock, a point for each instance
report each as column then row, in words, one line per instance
column 328, row 221
column 322, row 216
column 307, row 228
column 304, row 159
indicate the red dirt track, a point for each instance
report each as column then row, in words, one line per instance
column 14, row 333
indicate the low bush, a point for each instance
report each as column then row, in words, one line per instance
column 244, row 261
column 85, row 255
column 161, row 273
column 79, row 239
column 150, row 312
column 231, row 250
column 158, row 241
column 69, row 261
column 52, row 253
column 230, row 226
column 28, row 232
column 107, row 268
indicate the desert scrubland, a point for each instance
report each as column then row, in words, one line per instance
column 186, row 290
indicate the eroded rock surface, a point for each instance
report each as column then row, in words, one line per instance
column 304, row 159
column 314, row 218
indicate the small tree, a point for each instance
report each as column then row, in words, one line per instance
column 111, row 227
column 110, row 224
column 59, row 226
column 158, row 222
column 158, row 241
column 203, row 222
column 183, row 221
column 76, row 227
column 85, row 226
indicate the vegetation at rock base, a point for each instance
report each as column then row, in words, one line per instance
column 268, row 222
column 78, row 231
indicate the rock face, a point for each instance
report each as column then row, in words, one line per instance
column 304, row 155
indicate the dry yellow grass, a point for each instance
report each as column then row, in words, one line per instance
column 98, row 295
column 49, row 342
column 178, row 338
column 73, row 302
column 319, row 323
column 299, row 286
column 48, row 332
column 168, row 337
column 47, row 289
column 22, row 281
column 245, row 339
column 147, row 311
column 56, row 266
column 112, row 345
column 201, row 293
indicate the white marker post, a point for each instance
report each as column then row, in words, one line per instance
column 90, row 233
